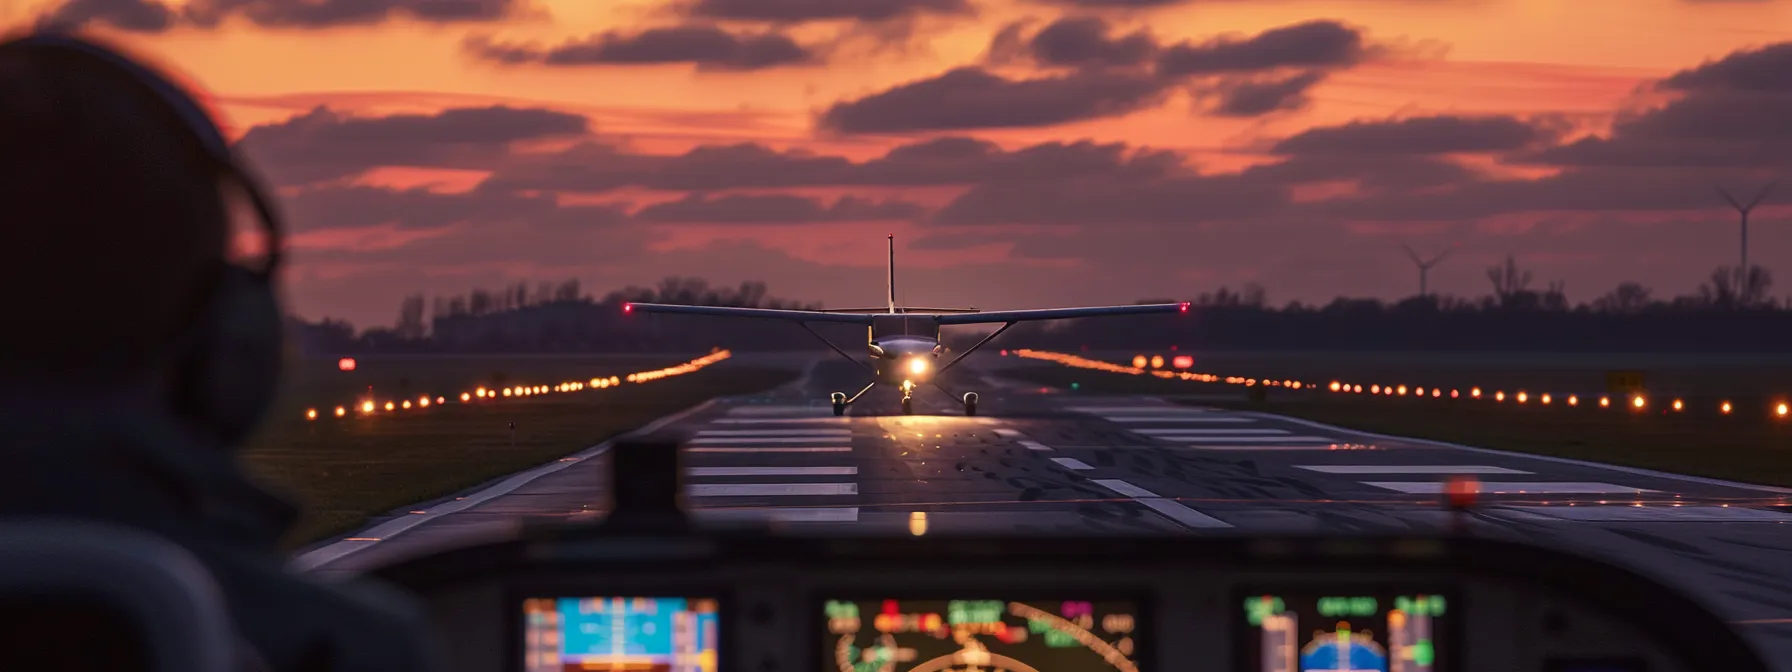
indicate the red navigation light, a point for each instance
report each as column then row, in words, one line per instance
column 628, row 307
column 1185, row 306
column 1004, row 353
column 891, row 608
column 1460, row 491
column 346, row 363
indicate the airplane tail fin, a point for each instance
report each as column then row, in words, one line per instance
column 893, row 273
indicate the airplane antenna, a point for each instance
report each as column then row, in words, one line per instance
column 1425, row 266
column 1744, row 210
column 892, row 273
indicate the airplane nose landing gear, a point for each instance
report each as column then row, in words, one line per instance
column 839, row 399
column 970, row 403
column 908, row 399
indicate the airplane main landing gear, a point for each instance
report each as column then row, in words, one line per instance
column 839, row 399
column 970, row 403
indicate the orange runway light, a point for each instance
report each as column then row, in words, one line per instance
column 311, row 414
column 340, row 411
column 1453, row 394
column 1780, row 410
column 424, row 402
column 465, row 397
column 1402, row 389
column 1157, row 361
column 1183, row 361
column 1522, row 396
column 407, row 404
column 1637, row 401
column 346, row 364
column 1605, row 402
column 389, row 405
column 1499, row 396
column 1544, row 399
column 1335, row 386
column 1573, row 400
column 1438, row 392
column 1678, row 405
column 1476, row 393
column 1725, row 408
column 1461, row 491
column 1374, row 389
column 1140, row 361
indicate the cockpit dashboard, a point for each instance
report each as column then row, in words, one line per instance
column 734, row 602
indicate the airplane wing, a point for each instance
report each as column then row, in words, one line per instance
column 1059, row 313
column 762, row 313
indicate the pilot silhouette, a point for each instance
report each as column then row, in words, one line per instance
column 136, row 357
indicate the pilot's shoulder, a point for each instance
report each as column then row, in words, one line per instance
column 308, row 622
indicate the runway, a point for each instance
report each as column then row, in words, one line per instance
column 1052, row 464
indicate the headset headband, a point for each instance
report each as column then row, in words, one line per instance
column 184, row 106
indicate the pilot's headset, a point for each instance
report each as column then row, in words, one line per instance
column 229, row 361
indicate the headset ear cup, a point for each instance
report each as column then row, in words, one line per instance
column 240, row 356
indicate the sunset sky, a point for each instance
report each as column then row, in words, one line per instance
column 1025, row 153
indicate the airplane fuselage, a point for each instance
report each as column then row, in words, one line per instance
column 904, row 348
column 899, row 359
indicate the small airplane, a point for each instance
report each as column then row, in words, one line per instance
column 904, row 343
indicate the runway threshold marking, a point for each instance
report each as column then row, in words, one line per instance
column 772, row 489
column 774, row 471
column 1167, row 507
column 770, row 449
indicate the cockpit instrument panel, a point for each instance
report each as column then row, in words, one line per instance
column 1357, row 630
column 619, row 634
column 932, row 635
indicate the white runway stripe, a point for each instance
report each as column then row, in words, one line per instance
column 1649, row 514
column 784, row 514
column 1007, row 433
column 775, row 432
column 1071, row 463
column 1035, row 445
column 1408, row 469
column 1169, row 508
column 774, row 471
column 1192, row 417
column 1159, row 410
column 794, row 411
column 1253, row 439
column 771, row 489
column 829, row 420
column 745, row 440
column 1204, row 432
column 771, row 449
column 1265, row 446
column 1526, row 488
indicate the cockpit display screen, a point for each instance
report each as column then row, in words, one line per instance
column 1359, row 631
column 619, row 634
column 986, row 635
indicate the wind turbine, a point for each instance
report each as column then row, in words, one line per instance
column 1424, row 266
column 1745, row 209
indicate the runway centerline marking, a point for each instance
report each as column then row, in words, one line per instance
column 1071, row 463
column 1168, row 508
column 1034, row 445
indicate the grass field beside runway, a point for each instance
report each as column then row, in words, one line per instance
column 1748, row 446
column 341, row 471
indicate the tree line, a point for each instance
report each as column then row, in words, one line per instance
column 1732, row 310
